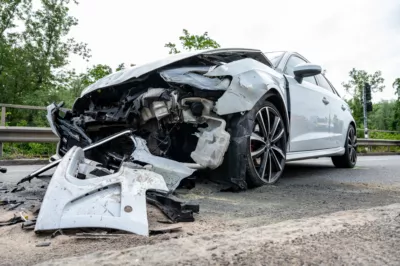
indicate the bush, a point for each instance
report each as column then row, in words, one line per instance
column 28, row 150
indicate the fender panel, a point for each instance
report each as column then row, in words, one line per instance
column 251, row 80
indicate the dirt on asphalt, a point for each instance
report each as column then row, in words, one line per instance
column 361, row 237
column 309, row 217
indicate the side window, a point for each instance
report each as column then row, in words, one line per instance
column 324, row 83
column 294, row 61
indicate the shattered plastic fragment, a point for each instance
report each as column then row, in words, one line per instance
column 175, row 209
column 172, row 171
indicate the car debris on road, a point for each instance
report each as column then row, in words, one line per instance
column 83, row 193
column 144, row 130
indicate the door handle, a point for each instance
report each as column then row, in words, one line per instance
column 325, row 101
column 343, row 108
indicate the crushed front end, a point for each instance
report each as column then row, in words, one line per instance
column 183, row 110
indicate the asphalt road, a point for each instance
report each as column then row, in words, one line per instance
column 308, row 189
column 371, row 169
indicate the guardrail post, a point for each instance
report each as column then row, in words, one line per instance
column 2, row 123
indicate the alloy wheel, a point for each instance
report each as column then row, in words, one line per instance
column 267, row 145
column 352, row 145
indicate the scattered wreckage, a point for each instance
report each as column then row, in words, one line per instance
column 137, row 133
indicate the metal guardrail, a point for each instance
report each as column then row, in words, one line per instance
column 27, row 134
column 45, row 135
column 6, row 134
column 378, row 142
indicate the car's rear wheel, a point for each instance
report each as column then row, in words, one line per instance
column 267, row 149
column 349, row 158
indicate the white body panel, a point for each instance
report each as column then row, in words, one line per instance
column 319, row 117
column 309, row 129
column 113, row 201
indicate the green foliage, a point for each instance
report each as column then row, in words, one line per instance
column 355, row 88
column 28, row 150
column 33, row 57
column 95, row 73
column 396, row 86
column 191, row 42
column 383, row 116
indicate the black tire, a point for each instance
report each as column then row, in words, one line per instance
column 266, row 155
column 349, row 158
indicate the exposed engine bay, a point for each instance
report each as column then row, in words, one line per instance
column 185, row 110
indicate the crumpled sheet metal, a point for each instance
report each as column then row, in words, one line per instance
column 193, row 76
column 250, row 81
column 172, row 171
column 116, row 201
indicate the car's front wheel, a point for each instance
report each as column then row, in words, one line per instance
column 267, row 149
column 349, row 158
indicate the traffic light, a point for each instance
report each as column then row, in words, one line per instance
column 369, row 107
column 367, row 89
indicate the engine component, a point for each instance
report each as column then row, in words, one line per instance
column 146, row 114
column 157, row 103
column 213, row 143
column 197, row 109
column 160, row 109
column 193, row 105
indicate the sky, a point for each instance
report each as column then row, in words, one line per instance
column 337, row 34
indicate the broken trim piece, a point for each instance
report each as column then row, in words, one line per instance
column 115, row 201
column 172, row 171
column 55, row 163
column 175, row 209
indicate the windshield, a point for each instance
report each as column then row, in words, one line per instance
column 274, row 57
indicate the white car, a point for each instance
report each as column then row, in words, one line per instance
column 240, row 113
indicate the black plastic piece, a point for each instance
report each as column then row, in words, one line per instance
column 197, row 108
column 3, row 170
column 175, row 209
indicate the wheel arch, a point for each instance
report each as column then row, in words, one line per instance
column 276, row 99
column 352, row 123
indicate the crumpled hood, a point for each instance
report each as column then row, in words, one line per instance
column 140, row 70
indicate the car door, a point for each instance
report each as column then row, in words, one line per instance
column 310, row 112
column 338, row 113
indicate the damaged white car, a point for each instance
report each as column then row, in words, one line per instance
column 239, row 114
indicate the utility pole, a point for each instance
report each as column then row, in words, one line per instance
column 365, row 110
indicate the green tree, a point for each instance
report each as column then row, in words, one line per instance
column 191, row 42
column 396, row 122
column 95, row 73
column 33, row 57
column 382, row 116
column 396, row 86
column 355, row 88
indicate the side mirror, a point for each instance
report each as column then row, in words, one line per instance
column 306, row 70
